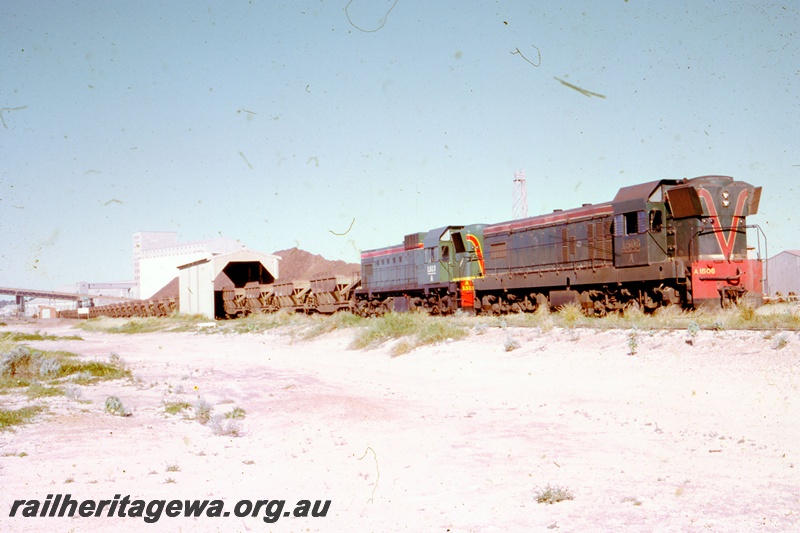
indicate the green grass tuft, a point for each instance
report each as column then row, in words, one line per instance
column 173, row 408
column 258, row 323
column 389, row 326
column 414, row 330
column 24, row 366
column 93, row 371
column 14, row 417
column 37, row 390
column 236, row 413
column 320, row 324
column 435, row 331
column 130, row 326
column 17, row 336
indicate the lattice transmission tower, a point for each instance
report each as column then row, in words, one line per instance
column 520, row 207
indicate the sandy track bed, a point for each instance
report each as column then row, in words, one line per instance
column 457, row 436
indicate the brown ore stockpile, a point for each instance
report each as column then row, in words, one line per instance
column 299, row 264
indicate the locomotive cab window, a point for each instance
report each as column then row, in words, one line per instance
column 656, row 220
column 445, row 253
column 458, row 243
column 430, row 255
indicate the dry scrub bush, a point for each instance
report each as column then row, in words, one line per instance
column 633, row 341
column 571, row 314
column 551, row 495
column 114, row 406
column 202, row 411
column 223, row 426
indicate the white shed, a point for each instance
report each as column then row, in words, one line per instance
column 198, row 294
column 783, row 273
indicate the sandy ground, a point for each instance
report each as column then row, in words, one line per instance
column 458, row 436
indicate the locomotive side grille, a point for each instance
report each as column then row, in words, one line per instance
column 498, row 251
column 605, row 239
column 412, row 241
column 641, row 222
column 602, row 235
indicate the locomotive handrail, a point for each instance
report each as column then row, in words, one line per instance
column 709, row 231
column 721, row 278
column 759, row 234
column 650, row 234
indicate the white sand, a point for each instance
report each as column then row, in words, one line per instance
column 453, row 437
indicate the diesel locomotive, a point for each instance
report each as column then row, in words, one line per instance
column 680, row 242
column 665, row 242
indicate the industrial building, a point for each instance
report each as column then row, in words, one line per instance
column 158, row 254
column 159, row 260
column 783, row 274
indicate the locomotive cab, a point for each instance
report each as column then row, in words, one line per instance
column 640, row 236
column 452, row 253
column 710, row 214
column 452, row 258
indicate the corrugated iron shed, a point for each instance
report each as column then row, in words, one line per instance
column 783, row 271
column 201, row 281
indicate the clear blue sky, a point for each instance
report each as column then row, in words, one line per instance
column 276, row 123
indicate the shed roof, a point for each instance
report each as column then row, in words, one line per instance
column 221, row 262
column 790, row 252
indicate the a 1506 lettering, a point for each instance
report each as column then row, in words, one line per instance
column 631, row 246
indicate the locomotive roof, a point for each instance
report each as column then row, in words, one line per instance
column 587, row 211
column 379, row 252
column 634, row 197
column 628, row 198
column 640, row 192
column 434, row 235
column 431, row 239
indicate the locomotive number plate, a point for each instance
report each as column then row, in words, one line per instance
column 631, row 246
